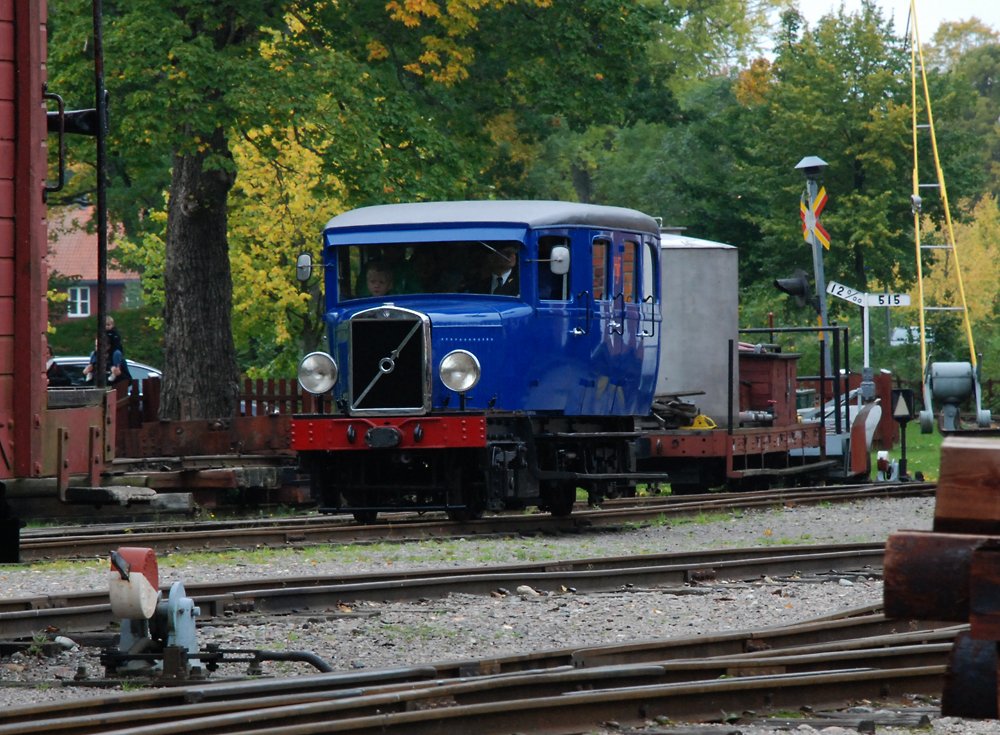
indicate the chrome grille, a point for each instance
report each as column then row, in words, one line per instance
column 390, row 362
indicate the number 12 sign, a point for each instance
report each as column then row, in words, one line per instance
column 867, row 299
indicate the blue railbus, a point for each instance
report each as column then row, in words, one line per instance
column 483, row 355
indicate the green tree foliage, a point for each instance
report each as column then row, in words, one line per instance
column 980, row 68
column 955, row 40
column 712, row 38
column 679, row 170
column 239, row 129
column 494, row 83
column 328, row 106
column 839, row 92
column 176, row 70
column 842, row 92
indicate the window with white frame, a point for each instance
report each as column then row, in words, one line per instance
column 79, row 301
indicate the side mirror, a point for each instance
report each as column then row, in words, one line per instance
column 559, row 260
column 303, row 267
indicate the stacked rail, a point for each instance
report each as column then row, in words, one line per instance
column 953, row 572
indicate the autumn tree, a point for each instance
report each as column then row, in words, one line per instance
column 175, row 69
column 327, row 106
column 841, row 91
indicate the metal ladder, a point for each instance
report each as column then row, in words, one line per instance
column 952, row 382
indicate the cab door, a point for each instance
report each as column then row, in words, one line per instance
column 602, row 330
column 637, row 316
column 579, row 310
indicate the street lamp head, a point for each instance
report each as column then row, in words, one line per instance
column 811, row 166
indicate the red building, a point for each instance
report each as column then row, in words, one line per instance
column 73, row 254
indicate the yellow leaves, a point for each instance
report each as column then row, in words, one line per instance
column 752, row 85
column 294, row 24
column 443, row 59
column 976, row 244
column 503, row 131
column 410, row 12
column 276, row 212
column 377, row 51
column 430, row 58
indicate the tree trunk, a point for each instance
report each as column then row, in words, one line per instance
column 200, row 375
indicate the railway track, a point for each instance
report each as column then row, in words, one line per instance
column 90, row 610
column 828, row 662
column 87, row 542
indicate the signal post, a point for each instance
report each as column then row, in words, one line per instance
column 866, row 300
column 810, row 207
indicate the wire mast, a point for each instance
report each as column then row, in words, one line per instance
column 954, row 382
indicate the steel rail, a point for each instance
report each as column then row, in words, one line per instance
column 825, row 675
column 821, row 493
column 65, row 543
column 88, row 611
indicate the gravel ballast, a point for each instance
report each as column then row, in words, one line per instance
column 520, row 619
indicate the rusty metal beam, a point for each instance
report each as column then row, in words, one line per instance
column 927, row 575
column 968, row 496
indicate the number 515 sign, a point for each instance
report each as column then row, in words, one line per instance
column 867, row 299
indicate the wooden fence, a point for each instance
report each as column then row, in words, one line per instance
column 257, row 398
column 284, row 397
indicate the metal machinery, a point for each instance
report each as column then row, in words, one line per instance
column 727, row 411
column 159, row 638
column 950, row 384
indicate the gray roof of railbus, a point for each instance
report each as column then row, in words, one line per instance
column 527, row 213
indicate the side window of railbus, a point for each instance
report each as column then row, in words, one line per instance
column 551, row 286
column 599, row 255
column 348, row 264
column 630, row 272
column 649, row 272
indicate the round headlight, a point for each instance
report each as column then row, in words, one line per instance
column 317, row 372
column 459, row 371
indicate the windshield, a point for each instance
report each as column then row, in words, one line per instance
column 486, row 267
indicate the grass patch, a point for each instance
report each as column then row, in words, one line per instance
column 702, row 519
column 923, row 452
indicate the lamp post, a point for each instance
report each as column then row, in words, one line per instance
column 812, row 167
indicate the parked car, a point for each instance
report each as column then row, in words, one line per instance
column 909, row 336
column 73, row 367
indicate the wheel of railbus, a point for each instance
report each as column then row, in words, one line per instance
column 365, row 517
column 687, row 488
column 561, row 499
column 461, row 515
column 464, row 493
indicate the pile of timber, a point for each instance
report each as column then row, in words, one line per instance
column 953, row 572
